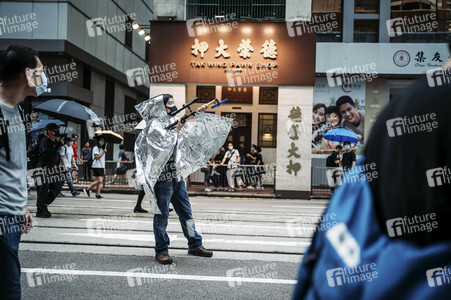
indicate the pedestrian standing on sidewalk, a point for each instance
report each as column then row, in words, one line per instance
column 86, row 161
column 232, row 159
column 98, row 168
column 67, row 159
column 349, row 158
column 21, row 75
column 260, row 167
column 221, row 170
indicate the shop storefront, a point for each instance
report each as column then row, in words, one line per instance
column 267, row 76
column 375, row 74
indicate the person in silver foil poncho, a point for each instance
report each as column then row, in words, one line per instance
column 164, row 158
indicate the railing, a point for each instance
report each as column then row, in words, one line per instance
column 320, row 185
column 110, row 166
column 244, row 172
column 243, row 9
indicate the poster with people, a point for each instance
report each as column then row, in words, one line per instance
column 338, row 116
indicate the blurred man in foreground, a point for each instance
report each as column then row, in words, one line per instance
column 21, row 75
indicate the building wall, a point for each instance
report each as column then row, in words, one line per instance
column 169, row 8
column 108, row 47
column 291, row 185
column 298, row 9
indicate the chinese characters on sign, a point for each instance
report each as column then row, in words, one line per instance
column 421, row 58
column 237, row 94
column 295, row 117
column 268, row 51
column 199, row 48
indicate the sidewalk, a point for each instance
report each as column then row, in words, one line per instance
column 194, row 190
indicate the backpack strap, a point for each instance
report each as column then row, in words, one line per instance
column 4, row 135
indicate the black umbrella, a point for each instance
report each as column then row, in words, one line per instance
column 68, row 111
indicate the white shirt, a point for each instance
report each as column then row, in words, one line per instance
column 67, row 152
column 98, row 163
column 233, row 158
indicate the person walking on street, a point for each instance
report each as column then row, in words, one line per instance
column 33, row 157
column 21, row 75
column 232, row 159
column 98, row 168
column 67, row 159
column 49, row 162
column 86, row 161
column 76, row 157
column 138, row 208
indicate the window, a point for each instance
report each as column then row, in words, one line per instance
column 237, row 94
column 129, row 112
column 242, row 9
column 86, row 77
column 267, row 130
column 422, row 21
column 327, row 20
column 147, row 54
column 129, row 33
column 205, row 93
column 366, row 6
column 268, row 95
column 366, row 31
column 109, row 109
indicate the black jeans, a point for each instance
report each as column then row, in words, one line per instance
column 47, row 193
column 140, row 198
column 86, row 171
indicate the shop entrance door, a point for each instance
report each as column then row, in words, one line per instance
column 241, row 132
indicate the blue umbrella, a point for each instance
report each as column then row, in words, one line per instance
column 41, row 124
column 341, row 135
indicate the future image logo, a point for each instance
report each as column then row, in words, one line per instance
column 411, row 124
column 334, row 176
column 202, row 25
column 351, row 275
column 410, row 225
column 438, row 176
column 154, row 74
column 117, row 23
column 18, row 23
column 438, row 77
column 348, row 75
column 417, row 23
column 318, row 23
column 438, row 276
column 139, row 276
column 138, row 75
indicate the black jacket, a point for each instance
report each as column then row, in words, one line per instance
column 49, row 153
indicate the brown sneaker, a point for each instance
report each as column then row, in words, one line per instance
column 164, row 258
column 201, row 251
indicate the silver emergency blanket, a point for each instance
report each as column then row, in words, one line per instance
column 194, row 145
